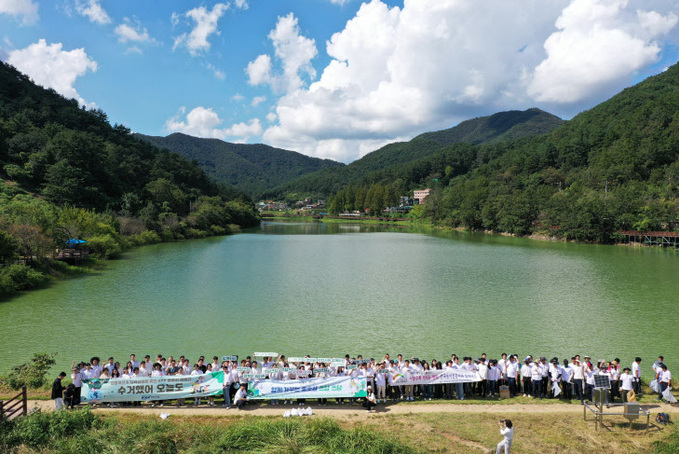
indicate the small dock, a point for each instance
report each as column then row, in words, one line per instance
column 662, row 239
column 72, row 255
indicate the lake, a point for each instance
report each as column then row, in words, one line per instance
column 328, row 290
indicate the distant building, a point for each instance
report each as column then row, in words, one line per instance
column 421, row 195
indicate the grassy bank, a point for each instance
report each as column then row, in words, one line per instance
column 81, row 432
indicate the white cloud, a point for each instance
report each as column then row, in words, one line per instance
column 339, row 2
column 26, row 9
column 257, row 100
column 396, row 72
column 205, row 122
column 292, row 50
column 205, row 25
column 242, row 4
column 655, row 23
column 598, row 42
column 93, row 10
column 238, row 97
column 245, row 130
column 132, row 31
column 50, row 66
column 219, row 74
column 259, row 70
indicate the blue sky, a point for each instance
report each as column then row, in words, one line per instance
column 334, row 78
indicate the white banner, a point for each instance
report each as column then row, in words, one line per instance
column 433, row 377
column 151, row 388
column 308, row 388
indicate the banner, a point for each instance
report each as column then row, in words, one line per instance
column 308, row 388
column 433, row 377
column 98, row 390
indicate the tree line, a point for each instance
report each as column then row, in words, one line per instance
column 67, row 173
column 614, row 167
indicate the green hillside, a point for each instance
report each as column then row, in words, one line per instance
column 250, row 168
column 493, row 128
column 66, row 173
column 498, row 127
column 614, row 167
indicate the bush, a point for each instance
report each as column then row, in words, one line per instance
column 31, row 374
column 104, row 246
column 42, row 430
column 195, row 233
column 15, row 278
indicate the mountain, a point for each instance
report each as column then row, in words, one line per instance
column 612, row 168
column 251, row 168
column 491, row 129
column 66, row 172
column 498, row 127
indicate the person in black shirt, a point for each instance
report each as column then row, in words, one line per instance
column 58, row 392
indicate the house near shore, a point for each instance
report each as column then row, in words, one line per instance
column 420, row 195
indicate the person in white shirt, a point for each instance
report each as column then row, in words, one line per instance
column 406, row 370
column 536, row 379
column 493, row 377
column 626, row 383
column 96, row 367
column 507, row 431
column 664, row 379
column 636, row 373
column 578, row 377
column 526, row 376
column 459, row 387
column 554, row 376
column 567, row 380
column 134, row 361
column 226, row 390
column 614, row 375
column 197, row 371
column 512, row 375
column 110, row 366
column 589, row 381
column 482, row 367
column 381, row 381
column 369, row 400
column 77, row 378
column 241, row 398
column 503, row 368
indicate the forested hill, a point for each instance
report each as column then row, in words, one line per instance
column 493, row 128
column 65, row 173
column 251, row 168
column 614, row 167
column 498, row 127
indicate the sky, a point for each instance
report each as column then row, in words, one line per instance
column 334, row 78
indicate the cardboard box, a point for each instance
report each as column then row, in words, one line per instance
column 504, row 392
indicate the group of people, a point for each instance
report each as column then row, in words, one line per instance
column 531, row 377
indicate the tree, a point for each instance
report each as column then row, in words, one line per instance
column 8, row 247
column 32, row 374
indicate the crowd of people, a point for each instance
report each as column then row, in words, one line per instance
column 537, row 377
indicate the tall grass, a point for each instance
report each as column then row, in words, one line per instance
column 81, row 431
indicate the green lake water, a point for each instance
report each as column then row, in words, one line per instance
column 328, row 290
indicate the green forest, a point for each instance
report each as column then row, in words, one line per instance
column 614, row 167
column 252, row 168
column 493, row 128
column 67, row 173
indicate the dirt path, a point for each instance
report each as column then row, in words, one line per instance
column 351, row 411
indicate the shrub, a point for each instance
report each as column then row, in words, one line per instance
column 31, row 374
column 15, row 278
column 104, row 246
